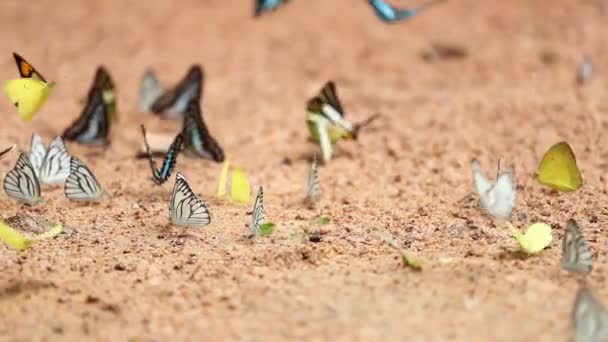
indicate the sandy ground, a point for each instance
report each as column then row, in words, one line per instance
column 121, row 272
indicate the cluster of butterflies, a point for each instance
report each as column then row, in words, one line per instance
column 383, row 9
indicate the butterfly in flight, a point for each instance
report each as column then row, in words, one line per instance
column 257, row 216
column 55, row 166
column 390, row 14
column 262, row 6
column 196, row 135
column 497, row 199
column 21, row 182
column 93, row 125
column 174, row 102
column 29, row 92
column 576, row 255
column 185, row 209
column 159, row 176
column 81, row 184
column 589, row 317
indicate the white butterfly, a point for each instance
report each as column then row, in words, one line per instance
column 185, row 208
column 497, row 199
column 257, row 216
column 589, row 317
column 312, row 188
column 576, row 256
column 37, row 153
column 81, row 184
column 56, row 165
column 151, row 89
column 21, row 182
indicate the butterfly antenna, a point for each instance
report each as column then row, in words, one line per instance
column 359, row 125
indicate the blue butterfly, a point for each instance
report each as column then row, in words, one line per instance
column 262, row 6
column 161, row 176
column 390, row 14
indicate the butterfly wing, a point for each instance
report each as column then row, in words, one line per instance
column 185, row 208
column 175, row 101
column 37, row 153
column 576, row 255
column 383, row 10
column 257, row 216
column 558, row 169
column 481, row 183
column 102, row 83
column 56, row 164
column 499, row 200
column 240, row 190
column 161, row 176
column 81, row 184
column 21, row 182
column 93, row 124
column 197, row 137
column 262, row 6
column 589, row 318
column 329, row 96
column 151, row 89
column 26, row 70
column 28, row 95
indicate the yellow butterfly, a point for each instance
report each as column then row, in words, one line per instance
column 29, row 92
column 535, row 239
column 240, row 190
column 558, row 169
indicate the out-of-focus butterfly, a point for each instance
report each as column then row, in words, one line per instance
column 576, row 255
column 93, row 125
column 497, row 199
column 312, row 187
column 326, row 122
column 185, row 209
column 151, row 89
column 589, row 318
column 159, row 176
column 56, row 164
column 21, row 182
column 196, row 135
column 257, row 216
column 390, row 14
column 81, row 184
column 262, row 6
column 29, row 92
column 585, row 71
column 558, row 169
column 174, row 102
column 37, row 153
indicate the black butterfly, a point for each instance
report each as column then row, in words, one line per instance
column 93, row 125
column 175, row 101
column 197, row 137
column 159, row 176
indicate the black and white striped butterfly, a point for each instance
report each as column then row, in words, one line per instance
column 576, row 255
column 37, row 153
column 21, row 182
column 174, row 102
column 185, row 209
column 56, row 164
column 159, row 176
column 196, row 135
column 257, row 216
column 589, row 317
column 81, row 184
column 92, row 127
column 312, row 188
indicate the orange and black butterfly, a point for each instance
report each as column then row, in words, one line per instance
column 174, row 102
column 26, row 70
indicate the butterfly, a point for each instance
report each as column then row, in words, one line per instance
column 37, row 153
column 29, row 92
column 151, row 89
column 81, row 184
column 175, row 101
column 390, row 14
column 262, row 6
column 93, row 124
column 497, row 199
column 161, row 176
column 185, row 208
column 585, row 71
column 257, row 216
column 21, row 182
column 589, row 317
column 197, row 137
column 576, row 256
column 312, row 188
column 558, row 169
column 55, row 166
column 536, row 238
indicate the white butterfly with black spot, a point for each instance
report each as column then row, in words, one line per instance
column 257, row 215
column 185, row 209
column 81, row 184
column 21, row 182
column 55, row 167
